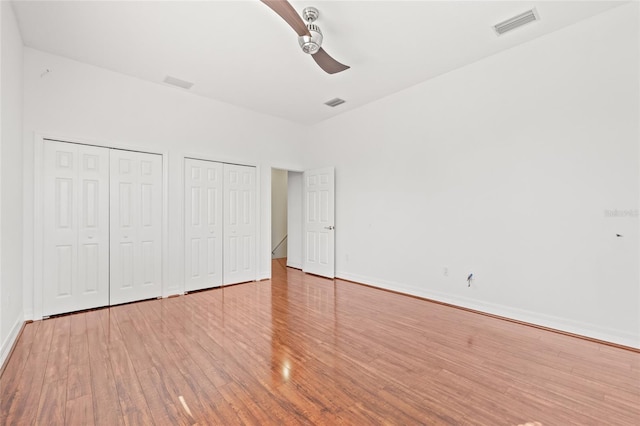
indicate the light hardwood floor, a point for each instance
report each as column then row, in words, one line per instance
column 305, row 350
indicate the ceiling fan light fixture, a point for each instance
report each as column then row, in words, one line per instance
column 311, row 44
column 309, row 34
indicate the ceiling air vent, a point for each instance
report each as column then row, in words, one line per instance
column 177, row 82
column 335, row 102
column 516, row 22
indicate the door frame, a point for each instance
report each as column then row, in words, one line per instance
column 300, row 171
column 38, row 211
column 290, row 230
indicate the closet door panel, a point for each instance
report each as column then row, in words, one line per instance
column 136, row 226
column 203, row 224
column 239, row 224
column 76, row 227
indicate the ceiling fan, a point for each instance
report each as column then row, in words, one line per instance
column 309, row 34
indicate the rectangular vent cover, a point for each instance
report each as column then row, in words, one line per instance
column 335, row 102
column 177, row 82
column 516, row 22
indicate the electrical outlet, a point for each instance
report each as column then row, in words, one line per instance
column 445, row 271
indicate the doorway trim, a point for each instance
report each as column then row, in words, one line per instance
column 288, row 170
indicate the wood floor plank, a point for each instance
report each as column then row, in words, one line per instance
column 162, row 404
column 166, row 375
column 11, row 377
column 52, row 404
column 204, row 398
column 80, row 410
column 300, row 349
column 106, row 405
column 244, row 407
column 133, row 403
column 79, row 403
column 26, row 396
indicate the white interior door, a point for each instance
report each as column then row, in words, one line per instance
column 136, row 226
column 203, row 224
column 319, row 218
column 239, row 224
column 76, row 227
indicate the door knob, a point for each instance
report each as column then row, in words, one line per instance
column 330, row 228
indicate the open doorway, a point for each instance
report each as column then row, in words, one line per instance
column 279, row 232
column 286, row 217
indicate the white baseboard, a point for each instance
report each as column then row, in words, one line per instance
column 294, row 265
column 561, row 324
column 28, row 315
column 8, row 343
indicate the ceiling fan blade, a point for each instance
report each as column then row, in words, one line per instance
column 327, row 63
column 289, row 14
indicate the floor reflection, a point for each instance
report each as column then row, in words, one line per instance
column 304, row 326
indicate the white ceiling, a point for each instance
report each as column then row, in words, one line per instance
column 242, row 53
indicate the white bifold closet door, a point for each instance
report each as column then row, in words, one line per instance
column 220, row 224
column 76, row 227
column 203, row 224
column 239, row 224
column 102, row 227
column 136, row 226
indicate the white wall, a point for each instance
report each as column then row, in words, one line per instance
column 294, row 219
column 11, row 316
column 82, row 102
column 278, row 212
column 503, row 169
